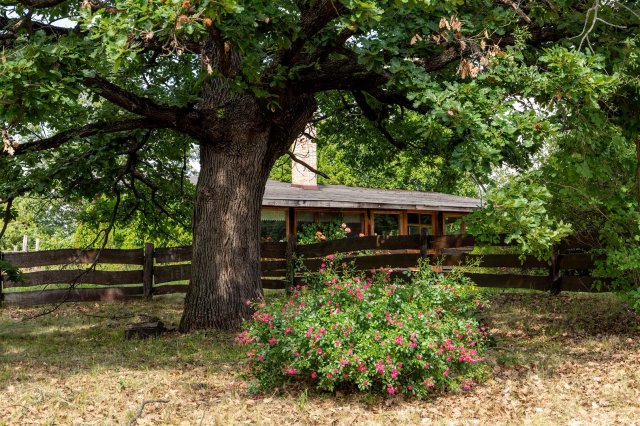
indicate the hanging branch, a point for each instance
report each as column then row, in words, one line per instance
column 313, row 169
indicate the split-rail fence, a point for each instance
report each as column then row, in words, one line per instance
column 113, row 274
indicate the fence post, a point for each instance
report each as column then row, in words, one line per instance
column 291, row 267
column 147, row 271
column 554, row 272
column 424, row 245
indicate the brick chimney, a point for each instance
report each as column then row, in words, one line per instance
column 304, row 148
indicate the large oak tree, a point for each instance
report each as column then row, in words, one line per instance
column 100, row 96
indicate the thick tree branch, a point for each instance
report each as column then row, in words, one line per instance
column 376, row 119
column 85, row 131
column 396, row 98
column 312, row 21
column 40, row 4
column 186, row 120
column 133, row 103
column 45, row 4
column 456, row 52
column 345, row 74
column 9, row 27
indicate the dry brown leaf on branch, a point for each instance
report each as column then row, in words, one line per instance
column 6, row 142
column 416, row 38
column 467, row 69
column 455, row 23
column 444, row 23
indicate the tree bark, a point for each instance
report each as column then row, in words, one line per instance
column 234, row 168
column 226, row 236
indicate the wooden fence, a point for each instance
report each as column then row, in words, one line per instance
column 154, row 271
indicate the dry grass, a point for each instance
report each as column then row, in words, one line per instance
column 572, row 359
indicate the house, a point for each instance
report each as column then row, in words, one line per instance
column 287, row 207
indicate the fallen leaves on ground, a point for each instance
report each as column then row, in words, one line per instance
column 572, row 359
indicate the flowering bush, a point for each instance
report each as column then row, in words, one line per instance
column 348, row 331
column 310, row 233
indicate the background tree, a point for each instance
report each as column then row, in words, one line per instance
column 107, row 97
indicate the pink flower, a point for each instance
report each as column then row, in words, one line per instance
column 394, row 373
column 347, row 230
column 446, row 372
column 344, row 226
column 319, row 350
column 399, row 340
column 260, row 358
column 329, row 375
column 314, row 375
column 292, row 371
column 409, row 388
column 369, row 315
column 272, row 341
column 391, row 389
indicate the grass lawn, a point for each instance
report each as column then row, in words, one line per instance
column 571, row 359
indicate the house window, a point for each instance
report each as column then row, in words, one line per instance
column 328, row 217
column 273, row 225
column 420, row 223
column 320, row 220
column 453, row 225
column 303, row 218
column 354, row 222
column 386, row 224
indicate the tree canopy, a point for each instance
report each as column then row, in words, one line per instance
column 110, row 97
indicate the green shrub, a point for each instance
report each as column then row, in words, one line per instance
column 347, row 331
column 310, row 233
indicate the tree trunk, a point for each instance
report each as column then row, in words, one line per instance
column 225, row 270
column 246, row 140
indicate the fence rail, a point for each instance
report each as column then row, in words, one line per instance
column 155, row 271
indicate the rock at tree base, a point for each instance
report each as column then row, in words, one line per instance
column 143, row 330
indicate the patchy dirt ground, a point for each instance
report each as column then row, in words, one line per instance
column 572, row 359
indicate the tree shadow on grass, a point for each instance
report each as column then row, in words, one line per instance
column 88, row 336
column 538, row 333
column 533, row 332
